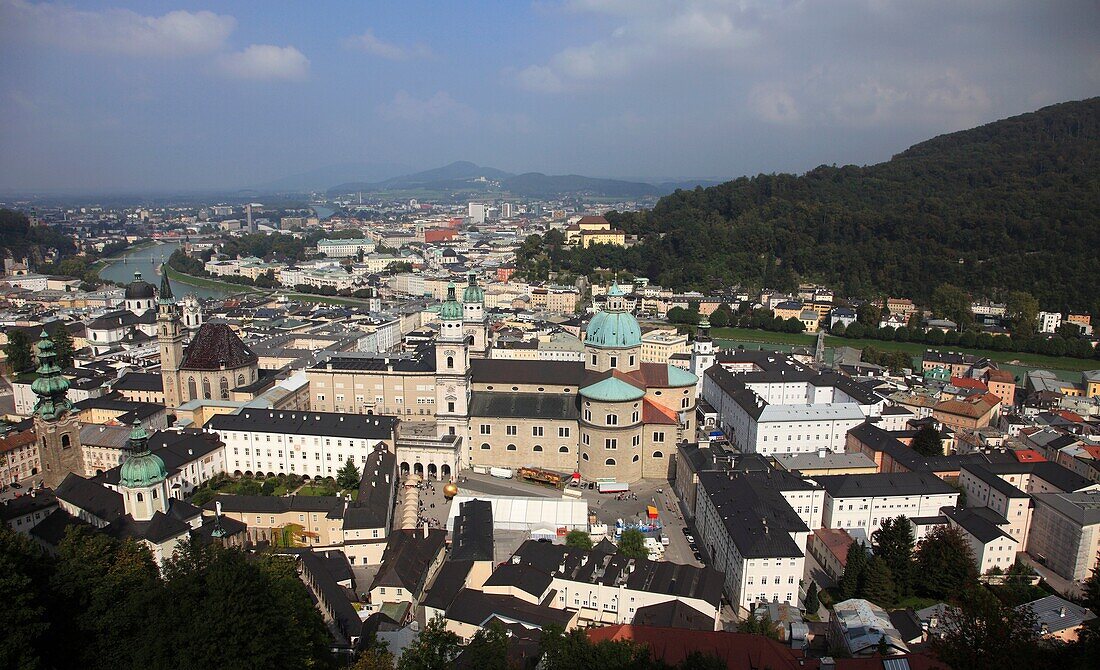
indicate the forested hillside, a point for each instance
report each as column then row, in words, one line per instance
column 18, row 238
column 1012, row 205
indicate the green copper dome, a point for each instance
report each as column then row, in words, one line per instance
column 51, row 387
column 614, row 327
column 473, row 292
column 142, row 467
column 612, row 389
column 451, row 309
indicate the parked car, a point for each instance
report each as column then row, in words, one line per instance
column 691, row 540
column 699, row 557
column 686, row 531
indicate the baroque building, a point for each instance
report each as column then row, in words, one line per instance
column 56, row 425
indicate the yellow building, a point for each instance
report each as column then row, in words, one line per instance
column 660, row 345
column 615, row 237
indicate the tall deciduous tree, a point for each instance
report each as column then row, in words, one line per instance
column 1022, row 313
column 927, row 442
column 435, row 647
column 893, row 542
column 951, row 302
column 18, row 351
column 488, row 649
column 944, row 563
column 983, row 633
column 578, row 539
column 632, row 544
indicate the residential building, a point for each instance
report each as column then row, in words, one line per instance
column 865, row 501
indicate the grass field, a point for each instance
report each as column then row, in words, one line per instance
column 1020, row 359
column 209, row 283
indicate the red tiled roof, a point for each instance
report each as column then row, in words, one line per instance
column 1001, row 376
column 591, row 219
column 969, row 383
column 837, row 541
column 739, row 651
column 654, row 413
column 1028, row 456
column 1070, row 416
column 1092, row 450
column 15, row 441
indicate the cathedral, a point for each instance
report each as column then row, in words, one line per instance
column 215, row 362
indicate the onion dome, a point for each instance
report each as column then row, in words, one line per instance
column 141, row 467
column 614, row 327
column 473, row 292
column 451, row 309
column 139, row 289
column 51, row 387
column 703, row 334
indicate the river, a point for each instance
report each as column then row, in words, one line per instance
column 122, row 270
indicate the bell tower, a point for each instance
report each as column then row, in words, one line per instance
column 452, row 371
column 702, row 352
column 56, row 426
column 142, row 478
column 170, row 342
column 473, row 318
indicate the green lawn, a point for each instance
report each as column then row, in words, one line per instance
column 1021, row 359
column 209, row 283
column 322, row 490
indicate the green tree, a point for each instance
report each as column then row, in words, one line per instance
column 348, row 476
column 435, row 647
column 698, row 660
column 63, row 345
column 632, row 544
column 893, row 542
column 944, row 563
column 869, row 314
column 18, row 351
column 721, row 316
column 488, row 649
column 759, row 625
column 927, row 442
column 878, row 583
column 951, row 302
column 26, row 642
column 812, row 601
column 578, row 539
column 1022, row 313
column 984, row 634
column 855, row 565
column 574, row 651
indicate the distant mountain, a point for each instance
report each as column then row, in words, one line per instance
column 323, row 177
column 1010, row 205
column 466, row 177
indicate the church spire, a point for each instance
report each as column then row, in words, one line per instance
column 51, row 387
column 165, row 285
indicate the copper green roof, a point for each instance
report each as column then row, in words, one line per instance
column 680, row 377
column 614, row 327
column 473, row 292
column 612, row 389
column 51, row 387
column 141, row 467
column 451, row 309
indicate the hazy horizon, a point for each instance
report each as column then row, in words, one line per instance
column 110, row 97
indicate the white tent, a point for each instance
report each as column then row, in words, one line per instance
column 518, row 513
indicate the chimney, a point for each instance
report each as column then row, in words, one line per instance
column 425, row 530
column 218, row 508
column 1062, row 611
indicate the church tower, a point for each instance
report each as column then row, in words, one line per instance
column 702, row 353
column 170, row 341
column 55, row 424
column 142, row 480
column 452, row 372
column 473, row 318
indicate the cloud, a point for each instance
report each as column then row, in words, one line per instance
column 405, row 107
column 368, row 42
column 266, row 62
column 117, row 31
column 773, row 104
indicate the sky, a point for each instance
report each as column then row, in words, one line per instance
column 159, row 96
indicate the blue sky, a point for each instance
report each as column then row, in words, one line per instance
column 109, row 96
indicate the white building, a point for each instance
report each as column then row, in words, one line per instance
column 753, row 535
column 986, row 532
column 475, row 211
column 865, row 501
column 1049, row 322
column 311, row 444
column 345, row 248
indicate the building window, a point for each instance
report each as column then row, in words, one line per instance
column 658, row 436
column 536, row 431
column 635, row 459
column 610, row 461
column 511, row 430
column 614, row 361
column 584, row 456
column 450, row 361
column 631, row 360
column 563, row 432
column 563, row 449
column 612, row 420
column 537, row 448
column 484, row 445
column 511, row 447
column 593, row 359
column 611, row 443
column 486, row 429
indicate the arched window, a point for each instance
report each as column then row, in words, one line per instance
column 240, row 380
column 511, row 447
column 65, row 442
column 484, row 445
column 584, row 456
column 225, row 388
column 206, row 388
column 658, row 454
column 140, row 497
column 537, row 448
column 154, row 494
column 635, row 459
column 192, row 390
column 450, row 361
column 610, row 461
column 563, row 450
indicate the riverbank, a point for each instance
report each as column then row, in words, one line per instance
column 915, row 349
column 104, row 262
column 204, row 282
